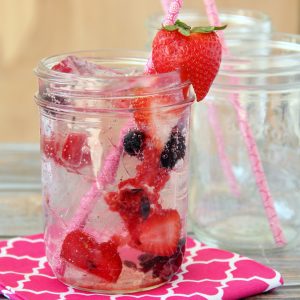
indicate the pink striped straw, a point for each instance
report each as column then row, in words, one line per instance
column 256, row 164
column 165, row 5
column 105, row 177
column 107, row 174
column 225, row 162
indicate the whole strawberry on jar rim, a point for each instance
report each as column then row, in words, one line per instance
column 196, row 51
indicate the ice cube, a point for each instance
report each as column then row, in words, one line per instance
column 80, row 66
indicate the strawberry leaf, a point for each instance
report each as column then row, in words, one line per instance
column 183, row 31
column 170, row 27
column 182, row 25
column 186, row 30
column 207, row 29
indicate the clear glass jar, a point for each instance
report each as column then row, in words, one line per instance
column 264, row 75
column 114, row 146
column 238, row 21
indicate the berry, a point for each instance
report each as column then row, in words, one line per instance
column 75, row 151
column 63, row 66
column 149, row 172
column 133, row 204
column 130, row 264
column 195, row 51
column 74, row 154
column 145, row 207
column 50, row 148
column 173, row 150
column 130, row 201
column 163, row 267
column 82, row 250
column 133, row 142
column 159, row 233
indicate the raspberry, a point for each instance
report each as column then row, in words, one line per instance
column 173, row 150
column 133, row 142
column 132, row 204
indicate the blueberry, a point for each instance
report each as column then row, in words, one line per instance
column 145, row 207
column 133, row 142
column 173, row 150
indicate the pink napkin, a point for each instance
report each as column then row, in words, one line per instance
column 206, row 273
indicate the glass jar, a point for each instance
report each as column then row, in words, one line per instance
column 228, row 206
column 114, row 146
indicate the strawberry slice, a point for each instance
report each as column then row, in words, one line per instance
column 75, row 152
column 82, row 250
column 157, row 122
column 159, row 234
column 63, row 66
column 50, row 148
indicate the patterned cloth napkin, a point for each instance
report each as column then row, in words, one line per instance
column 206, row 273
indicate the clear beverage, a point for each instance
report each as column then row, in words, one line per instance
column 114, row 146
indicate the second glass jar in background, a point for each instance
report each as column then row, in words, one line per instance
column 238, row 21
column 265, row 78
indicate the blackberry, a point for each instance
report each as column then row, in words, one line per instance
column 133, row 204
column 130, row 264
column 173, row 150
column 133, row 142
column 163, row 267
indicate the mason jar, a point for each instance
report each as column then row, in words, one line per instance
column 245, row 155
column 114, row 148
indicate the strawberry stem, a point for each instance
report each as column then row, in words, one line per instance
column 186, row 30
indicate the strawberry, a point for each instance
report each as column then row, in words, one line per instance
column 63, row 66
column 159, row 234
column 195, row 51
column 75, row 152
column 82, row 250
column 149, row 172
column 133, row 204
column 50, row 148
